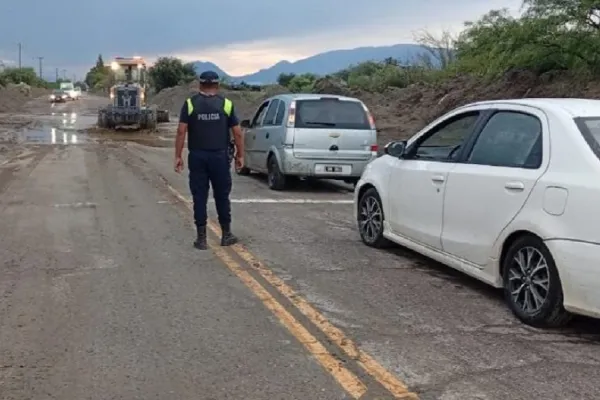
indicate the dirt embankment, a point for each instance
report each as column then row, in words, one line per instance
column 245, row 102
column 13, row 97
column 400, row 113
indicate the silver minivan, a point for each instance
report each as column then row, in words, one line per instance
column 309, row 136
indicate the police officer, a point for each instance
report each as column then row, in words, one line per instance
column 207, row 118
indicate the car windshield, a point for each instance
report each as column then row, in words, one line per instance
column 590, row 129
column 128, row 74
column 328, row 113
column 58, row 91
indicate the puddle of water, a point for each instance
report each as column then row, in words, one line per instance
column 59, row 128
column 47, row 135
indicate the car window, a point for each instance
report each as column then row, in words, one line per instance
column 271, row 112
column 446, row 140
column 259, row 114
column 590, row 129
column 280, row 113
column 327, row 113
column 509, row 139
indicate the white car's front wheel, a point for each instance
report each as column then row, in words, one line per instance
column 370, row 219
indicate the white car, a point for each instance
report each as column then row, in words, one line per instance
column 75, row 93
column 506, row 191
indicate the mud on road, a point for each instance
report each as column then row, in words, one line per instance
column 102, row 295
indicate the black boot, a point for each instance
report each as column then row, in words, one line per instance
column 200, row 242
column 228, row 238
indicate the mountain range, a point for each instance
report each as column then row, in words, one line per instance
column 323, row 63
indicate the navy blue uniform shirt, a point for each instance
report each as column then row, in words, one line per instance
column 208, row 124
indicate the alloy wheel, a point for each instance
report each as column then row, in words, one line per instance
column 370, row 219
column 529, row 280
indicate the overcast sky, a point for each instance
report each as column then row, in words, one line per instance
column 241, row 36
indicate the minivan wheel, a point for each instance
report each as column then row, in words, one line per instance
column 275, row 179
column 370, row 219
column 532, row 287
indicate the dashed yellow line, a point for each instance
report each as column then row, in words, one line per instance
column 392, row 384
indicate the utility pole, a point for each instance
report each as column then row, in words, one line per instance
column 56, row 74
column 40, row 61
column 64, row 71
column 20, row 50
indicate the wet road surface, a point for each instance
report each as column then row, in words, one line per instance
column 102, row 295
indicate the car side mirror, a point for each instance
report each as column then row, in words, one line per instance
column 245, row 123
column 395, row 148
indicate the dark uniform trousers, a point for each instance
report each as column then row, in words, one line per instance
column 210, row 166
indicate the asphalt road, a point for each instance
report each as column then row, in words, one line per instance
column 103, row 297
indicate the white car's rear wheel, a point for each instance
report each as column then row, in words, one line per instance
column 532, row 286
column 370, row 219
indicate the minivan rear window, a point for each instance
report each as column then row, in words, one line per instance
column 590, row 129
column 331, row 113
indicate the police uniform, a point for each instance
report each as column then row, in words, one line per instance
column 209, row 119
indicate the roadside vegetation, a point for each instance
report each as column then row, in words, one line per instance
column 550, row 37
column 29, row 77
column 26, row 75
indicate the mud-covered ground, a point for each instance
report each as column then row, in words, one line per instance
column 400, row 113
column 102, row 295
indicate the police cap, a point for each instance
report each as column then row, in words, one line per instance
column 209, row 77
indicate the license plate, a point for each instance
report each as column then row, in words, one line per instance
column 329, row 169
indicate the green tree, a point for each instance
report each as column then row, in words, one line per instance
column 99, row 76
column 169, row 72
column 552, row 35
column 285, row 79
column 25, row 75
column 302, row 83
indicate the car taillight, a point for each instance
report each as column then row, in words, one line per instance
column 292, row 115
column 369, row 117
column 374, row 147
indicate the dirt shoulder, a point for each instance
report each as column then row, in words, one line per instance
column 13, row 97
column 245, row 102
column 400, row 113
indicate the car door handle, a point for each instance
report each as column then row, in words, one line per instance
column 267, row 136
column 516, row 185
column 254, row 136
column 438, row 178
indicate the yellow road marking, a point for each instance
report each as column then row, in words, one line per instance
column 396, row 387
column 349, row 381
column 345, row 378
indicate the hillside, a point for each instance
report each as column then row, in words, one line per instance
column 200, row 66
column 325, row 63
column 400, row 113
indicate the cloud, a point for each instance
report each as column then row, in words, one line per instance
column 239, row 35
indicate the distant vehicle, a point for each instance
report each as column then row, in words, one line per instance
column 66, row 86
column 505, row 191
column 253, row 87
column 70, row 89
column 59, row 96
column 129, row 105
column 307, row 135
